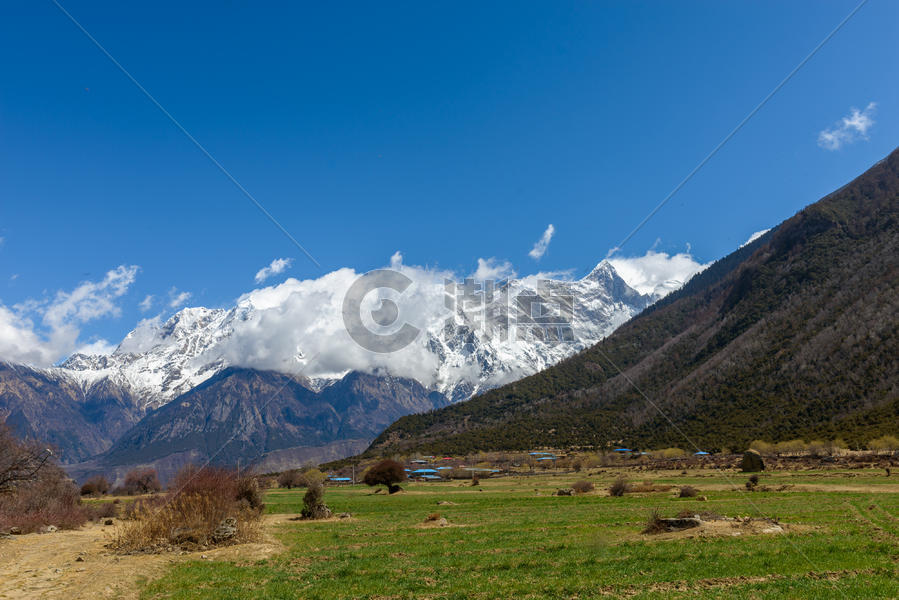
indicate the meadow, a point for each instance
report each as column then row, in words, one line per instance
column 510, row 538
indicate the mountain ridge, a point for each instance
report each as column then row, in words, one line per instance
column 793, row 335
column 98, row 409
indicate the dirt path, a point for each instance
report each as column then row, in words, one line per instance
column 76, row 564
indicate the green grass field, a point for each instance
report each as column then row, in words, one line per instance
column 510, row 539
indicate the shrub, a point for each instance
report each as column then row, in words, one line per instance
column 619, row 487
column 142, row 505
column 95, row 486
column 790, row 447
column 291, row 479
column 887, row 442
column 141, row 481
column 313, row 502
column 475, row 481
column 671, row 453
column 204, row 506
column 20, row 461
column 250, row 492
column 577, row 465
column 762, row 447
column 34, row 491
column 51, row 498
column 582, row 486
column 300, row 477
column 688, row 491
column 752, row 482
column 387, row 472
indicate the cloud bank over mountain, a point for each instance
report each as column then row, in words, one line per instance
column 41, row 331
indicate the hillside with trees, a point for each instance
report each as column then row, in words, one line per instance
column 793, row 336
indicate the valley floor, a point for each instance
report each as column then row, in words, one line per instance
column 838, row 537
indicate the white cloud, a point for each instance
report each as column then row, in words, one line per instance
column 90, row 300
column 297, row 326
column 97, row 347
column 277, row 266
column 542, row 244
column 657, row 273
column 146, row 304
column 755, row 236
column 493, row 269
column 23, row 340
column 177, row 298
column 849, row 129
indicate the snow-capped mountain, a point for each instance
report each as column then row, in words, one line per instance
column 158, row 362
column 482, row 341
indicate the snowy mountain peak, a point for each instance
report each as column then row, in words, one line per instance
column 296, row 327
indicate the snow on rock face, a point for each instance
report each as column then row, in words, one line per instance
column 158, row 361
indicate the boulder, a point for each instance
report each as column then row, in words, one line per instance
column 565, row 492
column 319, row 511
column 752, row 462
column 226, row 530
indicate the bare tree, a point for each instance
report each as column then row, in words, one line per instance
column 20, row 461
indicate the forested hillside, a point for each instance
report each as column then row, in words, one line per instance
column 795, row 335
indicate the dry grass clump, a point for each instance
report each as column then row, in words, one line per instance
column 688, row 491
column 620, row 487
column 433, row 517
column 654, row 523
column 647, row 487
column 582, row 487
column 204, row 507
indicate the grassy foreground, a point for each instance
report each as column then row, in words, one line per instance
column 510, row 539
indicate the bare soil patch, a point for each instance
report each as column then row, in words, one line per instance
column 725, row 527
column 77, row 564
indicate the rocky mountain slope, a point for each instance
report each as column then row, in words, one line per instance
column 261, row 418
column 77, row 421
column 794, row 335
column 166, row 389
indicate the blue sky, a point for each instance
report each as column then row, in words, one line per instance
column 448, row 132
